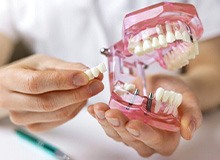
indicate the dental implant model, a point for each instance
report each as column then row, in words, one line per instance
column 95, row 71
column 166, row 33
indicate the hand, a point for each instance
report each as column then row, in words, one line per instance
column 147, row 140
column 42, row 92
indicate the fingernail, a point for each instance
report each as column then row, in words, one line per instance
column 113, row 121
column 95, row 87
column 99, row 114
column 80, row 79
column 192, row 127
column 134, row 132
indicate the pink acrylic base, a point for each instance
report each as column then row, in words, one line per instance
column 127, row 67
column 157, row 120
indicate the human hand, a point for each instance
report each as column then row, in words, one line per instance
column 42, row 92
column 145, row 139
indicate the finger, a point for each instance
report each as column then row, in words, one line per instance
column 37, row 82
column 142, row 149
column 27, row 118
column 40, row 127
column 98, row 110
column 90, row 109
column 118, row 121
column 163, row 142
column 45, row 62
column 58, row 64
column 191, row 116
column 51, row 101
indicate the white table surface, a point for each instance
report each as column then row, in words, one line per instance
column 83, row 139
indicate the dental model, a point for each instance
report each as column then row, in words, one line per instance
column 171, row 98
column 95, row 71
column 165, row 33
column 129, row 86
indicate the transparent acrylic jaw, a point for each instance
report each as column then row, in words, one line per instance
column 166, row 33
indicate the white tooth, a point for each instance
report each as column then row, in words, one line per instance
column 170, row 37
column 157, row 107
column 186, row 62
column 162, row 40
column 147, row 45
column 178, row 35
column 130, row 48
column 178, row 100
column 95, row 71
column 171, row 55
column 167, row 62
column 168, row 27
column 138, row 50
column 166, row 95
column 196, row 45
column 192, row 55
column 102, row 68
column 137, row 38
column 155, row 43
column 159, row 29
column 145, row 34
column 159, row 94
column 171, row 97
column 129, row 86
column 175, row 112
column 166, row 109
column 186, row 36
column 131, row 42
column 171, row 109
column 194, row 51
column 89, row 74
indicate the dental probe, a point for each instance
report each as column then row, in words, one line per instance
column 42, row 144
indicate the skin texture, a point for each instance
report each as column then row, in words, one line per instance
column 142, row 137
column 200, row 89
column 6, row 49
column 41, row 92
column 45, row 97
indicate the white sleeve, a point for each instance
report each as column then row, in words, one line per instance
column 6, row 21
column 208, row 11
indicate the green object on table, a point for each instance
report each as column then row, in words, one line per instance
column 42, row 144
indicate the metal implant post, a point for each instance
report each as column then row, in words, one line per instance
column 136, row 92
column 149, row 102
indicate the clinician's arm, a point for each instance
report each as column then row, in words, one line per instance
column 201, row 81
column 6, row 48
column 203, row 74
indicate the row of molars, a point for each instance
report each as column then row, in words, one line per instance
column 147, row 44
column 179, row 56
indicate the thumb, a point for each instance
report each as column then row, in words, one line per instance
column 191, row 116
